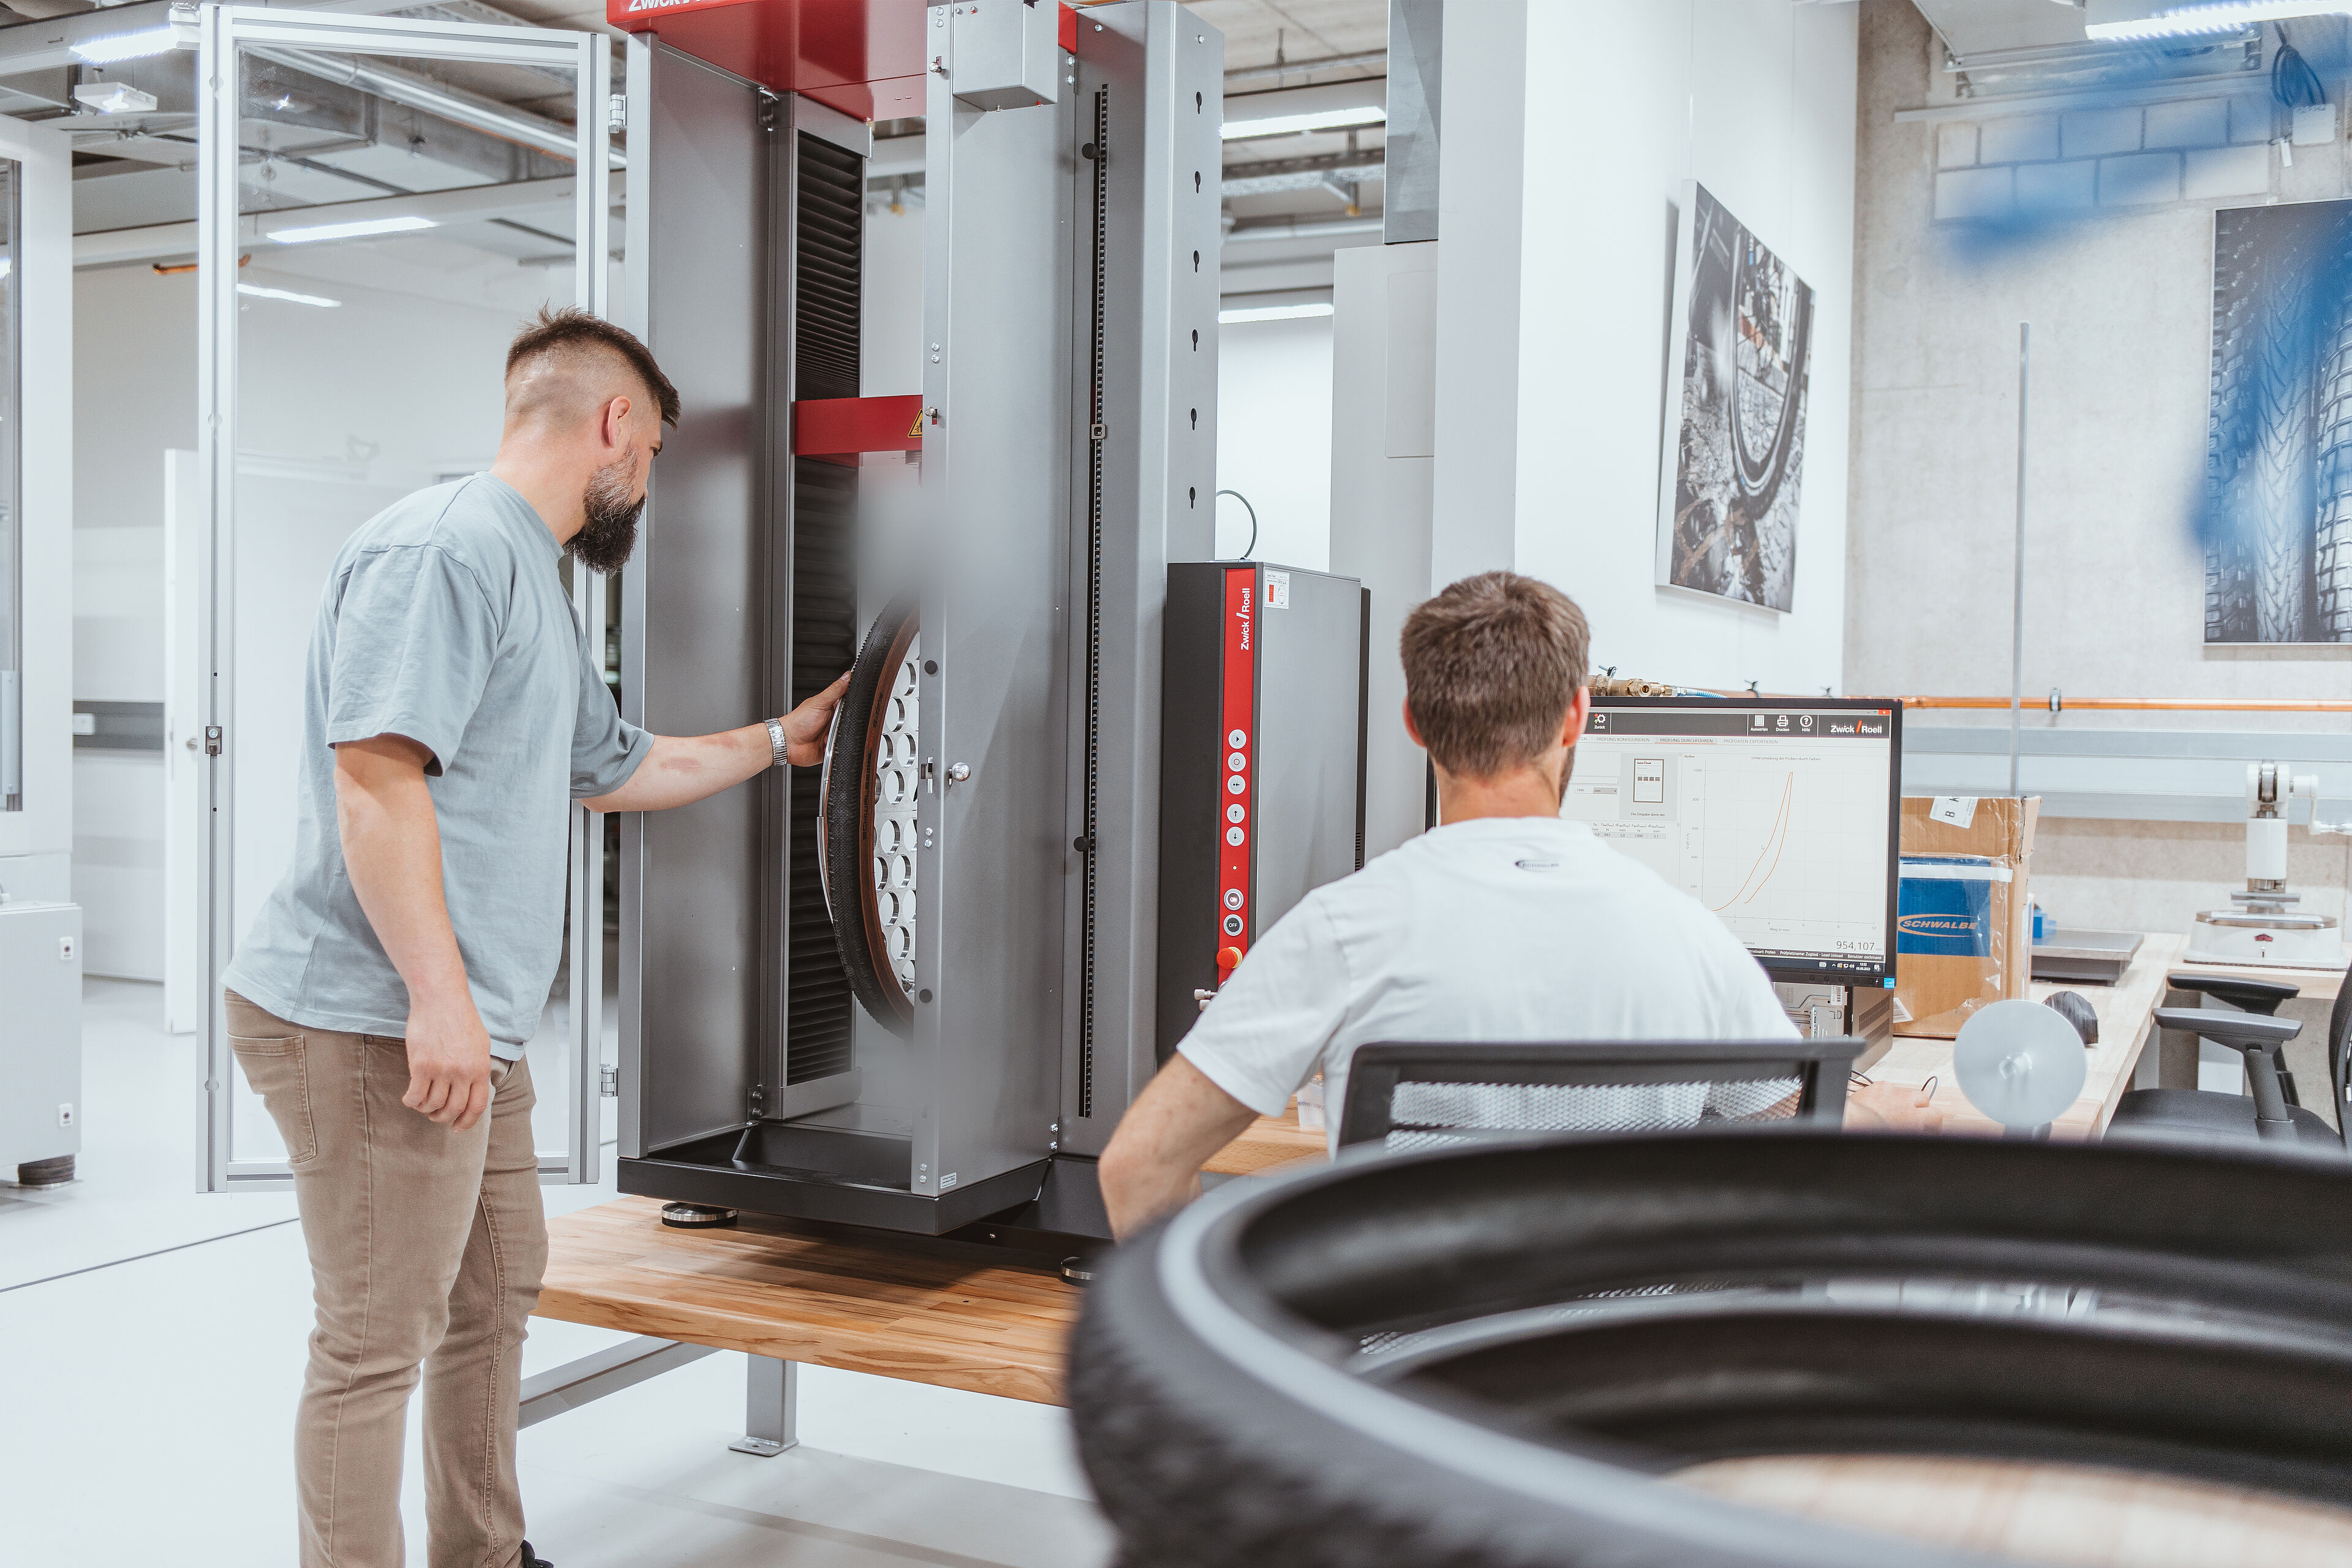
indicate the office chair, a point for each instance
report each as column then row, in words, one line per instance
column 1420, row 1095
column 2272, row 1112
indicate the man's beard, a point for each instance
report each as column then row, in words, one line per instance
column 609, row 537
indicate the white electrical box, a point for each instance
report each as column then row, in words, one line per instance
column 40, row 1045
column 2314, row 125
column 1008, row 53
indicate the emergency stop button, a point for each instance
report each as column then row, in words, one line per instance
column 1228, row 957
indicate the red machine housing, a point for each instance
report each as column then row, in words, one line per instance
column 864, row 57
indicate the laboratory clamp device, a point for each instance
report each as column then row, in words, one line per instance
column 915, row 988
column 2262, row 924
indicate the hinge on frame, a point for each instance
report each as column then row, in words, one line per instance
column 608, row 1082
column 770, row 106
column 617, row 112
column 756, row 1102
column 212, row 740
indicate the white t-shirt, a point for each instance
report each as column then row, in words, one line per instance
column 1495, row 930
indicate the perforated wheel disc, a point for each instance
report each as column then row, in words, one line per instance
column 867, row 848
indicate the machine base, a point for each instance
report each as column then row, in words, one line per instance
column 706, row 1172
column 1052, row 1206
column 2286, row 946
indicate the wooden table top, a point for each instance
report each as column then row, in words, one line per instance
column 2126, row 1010
column 862, row 1301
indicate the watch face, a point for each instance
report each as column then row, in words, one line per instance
column 871, row 788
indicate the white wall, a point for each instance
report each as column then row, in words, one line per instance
column 1571, row 125
column 1274, row 439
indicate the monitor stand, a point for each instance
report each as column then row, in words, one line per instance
column 1824, row 1011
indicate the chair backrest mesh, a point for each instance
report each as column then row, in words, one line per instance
column 1432, row 1115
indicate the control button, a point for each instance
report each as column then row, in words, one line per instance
column 1233, row 837
column 1236, row 784
column 1233, row 925
column 1236, row 763
column 1236, row 812
column 1237, row 740
column 1805, row 722
column 1233, row 898
column 1228, row 957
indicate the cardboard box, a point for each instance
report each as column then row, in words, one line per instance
column 1963, row 932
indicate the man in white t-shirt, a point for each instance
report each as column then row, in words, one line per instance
column 1505, row 924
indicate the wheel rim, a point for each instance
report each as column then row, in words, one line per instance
column 866, row 848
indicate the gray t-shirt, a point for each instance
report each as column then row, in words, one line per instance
column 444, row 620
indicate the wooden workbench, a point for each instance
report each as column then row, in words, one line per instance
column 829, row 1296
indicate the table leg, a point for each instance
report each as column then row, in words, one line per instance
column 772, row 1407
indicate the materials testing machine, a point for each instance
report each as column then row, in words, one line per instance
column 916, row 988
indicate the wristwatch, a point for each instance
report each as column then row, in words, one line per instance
column 776, row 741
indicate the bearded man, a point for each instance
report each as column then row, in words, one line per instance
column 380, row 1003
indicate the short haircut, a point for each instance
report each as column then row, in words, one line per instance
column 571, row 331
column 1491, row 667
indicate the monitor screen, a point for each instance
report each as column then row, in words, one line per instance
column 1781, row 818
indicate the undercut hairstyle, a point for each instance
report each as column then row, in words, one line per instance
column 1491, row 667
column 572, row 339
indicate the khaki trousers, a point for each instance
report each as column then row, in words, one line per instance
column 427, row 1246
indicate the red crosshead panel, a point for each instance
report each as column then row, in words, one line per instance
column 864, row 57
column 838, row 429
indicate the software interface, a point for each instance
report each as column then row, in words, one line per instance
column 1777, row 819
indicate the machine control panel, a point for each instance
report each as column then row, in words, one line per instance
column 1260, row 762
column 1239, row 700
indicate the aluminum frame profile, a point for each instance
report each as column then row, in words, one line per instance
column 1159, row 72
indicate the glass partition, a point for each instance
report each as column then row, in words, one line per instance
column 12, row 554
column 386, row 202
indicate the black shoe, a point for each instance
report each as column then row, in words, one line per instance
column 532, row 1559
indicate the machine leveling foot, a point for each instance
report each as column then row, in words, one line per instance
column 695, row 1216
column 54, row 1173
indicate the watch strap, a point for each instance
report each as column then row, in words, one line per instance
column 776, row 741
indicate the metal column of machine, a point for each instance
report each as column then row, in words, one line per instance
column 1009, row 718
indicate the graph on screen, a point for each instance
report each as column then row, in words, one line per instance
column 1770, row 848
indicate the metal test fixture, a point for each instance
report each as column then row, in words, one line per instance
column 914, row 989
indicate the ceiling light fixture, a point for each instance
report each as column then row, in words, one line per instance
column 259, row 292
column 2136, row 21
column 1273, row 314
column 1291, row 124
column 112, row 98
column 114, row 47
column 305, row 235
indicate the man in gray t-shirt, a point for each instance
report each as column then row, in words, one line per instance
column 382, row 1000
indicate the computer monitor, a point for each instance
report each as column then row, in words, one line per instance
column 1782, row 817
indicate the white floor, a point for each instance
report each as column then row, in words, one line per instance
column 147, row 1395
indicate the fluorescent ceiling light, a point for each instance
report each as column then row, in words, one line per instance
column 1273, row 314
column 112, row 98
column 304, row 236
column 1289, row 124
column 2141, row 22
column 118, row 47
column 259, row 292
